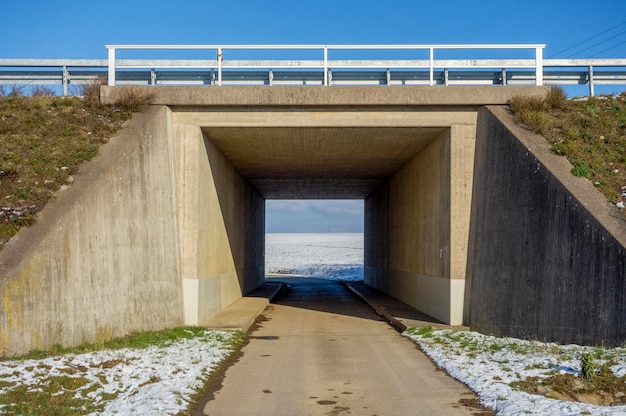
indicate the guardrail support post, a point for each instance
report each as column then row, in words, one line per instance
column 325, row 66
column 111, row 62
column 431, row 79
column 66, row 80
column 591, row 89
column 539, row 66
column 220, row 58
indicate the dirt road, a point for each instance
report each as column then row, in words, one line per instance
column 321, row 351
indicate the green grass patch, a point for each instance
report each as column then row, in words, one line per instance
column 51, row 396
column 590, row 133
column 43, row 141
column 138, row 340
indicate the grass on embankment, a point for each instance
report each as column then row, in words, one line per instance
column 43, row 141
column 590, row 132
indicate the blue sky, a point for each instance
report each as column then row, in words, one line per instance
column 335, row 216
column 80, row 29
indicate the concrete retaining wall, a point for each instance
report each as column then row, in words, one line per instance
column 103, row 258
column 222, row 223
column 546, row 255
column 159, row 230
column 417, row 227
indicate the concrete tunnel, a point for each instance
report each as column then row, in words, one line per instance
column 402, row 173
column 412, row 165
column 166, row 227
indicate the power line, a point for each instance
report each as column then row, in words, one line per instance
column 597, row 44
column 587, row 40
column 608, row 49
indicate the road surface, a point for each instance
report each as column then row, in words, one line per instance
column 319, row 350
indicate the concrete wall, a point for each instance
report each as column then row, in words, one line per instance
column 546, row 254
column 337, row 95
column 222, row 223
column 157, row 231
column 103, row 258
column 162, row 229
column 417, row 227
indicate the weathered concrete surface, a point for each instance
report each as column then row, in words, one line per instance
column 159, row 230
column 103, row 258
column 546, row 255
column 423, row 156
column 320, row 350
column 328, row 96
column 422, row 216
column 167, row 226
column 327, row 153
column 242, row 314
column 397, row 313
column 222, row 225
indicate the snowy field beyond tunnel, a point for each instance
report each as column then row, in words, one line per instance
column 336, row 256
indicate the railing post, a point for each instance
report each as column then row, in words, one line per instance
column 591, row 91
column 66, row 80
column 539, row 66
column 325, row 65
column 111, row 66
column 220, row 58
column 431, row 81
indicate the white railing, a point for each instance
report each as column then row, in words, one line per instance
column 324, row 50
column 321, row 70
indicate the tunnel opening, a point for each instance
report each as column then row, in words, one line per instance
column 410, row 169
column 314, row 239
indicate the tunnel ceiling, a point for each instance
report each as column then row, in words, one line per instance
column 319, row 162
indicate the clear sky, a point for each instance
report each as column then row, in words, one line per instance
column 80, row 29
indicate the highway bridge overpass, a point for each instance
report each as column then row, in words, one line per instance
column 468, row 217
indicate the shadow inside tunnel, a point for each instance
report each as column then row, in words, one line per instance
column 354, row 299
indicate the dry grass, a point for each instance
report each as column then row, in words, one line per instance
column 605, row 389
column 591, row 133
column 43, row 141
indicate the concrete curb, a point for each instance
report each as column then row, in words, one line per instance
column 399, row 326
column 242, row 314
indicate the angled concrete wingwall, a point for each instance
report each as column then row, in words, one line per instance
column 546, row 255
column 157, row 231
column 103, row 258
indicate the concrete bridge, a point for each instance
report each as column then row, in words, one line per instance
column 468, row 217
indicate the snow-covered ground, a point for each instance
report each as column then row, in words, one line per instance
column 151, row 381
column 323, row 255
column 488, row 365
column 160, row 380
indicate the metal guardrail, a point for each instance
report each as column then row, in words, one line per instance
column 323, row 71
column 324, row 50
